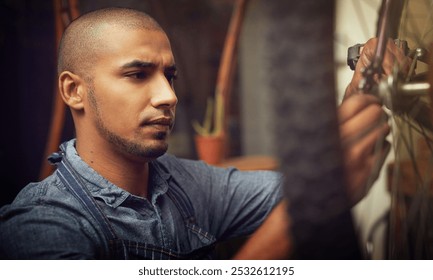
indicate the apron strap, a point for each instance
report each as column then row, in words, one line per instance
column 75, row 184
column 67, row 176
column 182, row 202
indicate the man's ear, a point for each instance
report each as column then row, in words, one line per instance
column 72, row 89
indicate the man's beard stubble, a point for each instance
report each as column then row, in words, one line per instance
column 134, row 148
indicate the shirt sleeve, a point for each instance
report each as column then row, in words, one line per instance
column 243, row 200
column 228, row 202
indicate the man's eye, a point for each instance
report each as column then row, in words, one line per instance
column 137, row 75
column 171, row 77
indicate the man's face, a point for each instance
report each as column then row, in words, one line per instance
column 131, row 99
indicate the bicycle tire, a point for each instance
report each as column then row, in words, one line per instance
column 302, row 84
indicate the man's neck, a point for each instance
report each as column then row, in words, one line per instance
column 130, row 175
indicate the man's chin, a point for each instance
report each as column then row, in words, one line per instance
column 155, row 151
column 154, row 154
column 146, row 152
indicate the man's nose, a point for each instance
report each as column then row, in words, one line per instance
column 163, row 93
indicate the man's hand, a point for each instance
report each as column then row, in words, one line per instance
column 363, row 124
column 363, row 128
column 393, row 54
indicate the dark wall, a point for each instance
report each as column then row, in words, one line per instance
column 197, row 30
column 27, row 78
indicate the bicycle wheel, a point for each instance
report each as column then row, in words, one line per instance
column 301, row 79
column 406, row 96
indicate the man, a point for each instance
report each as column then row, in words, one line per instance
column 115, row 194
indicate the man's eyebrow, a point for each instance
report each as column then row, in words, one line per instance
column 145, row 64
column 138, row 64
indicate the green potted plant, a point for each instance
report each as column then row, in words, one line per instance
column 209, row 138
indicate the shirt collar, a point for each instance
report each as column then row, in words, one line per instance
column 111, row 194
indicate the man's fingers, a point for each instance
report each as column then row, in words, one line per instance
column 395, row 55
column 362, row 123
column 367, row 172
column 364, row 142
column 355, row 104
column 363, row 128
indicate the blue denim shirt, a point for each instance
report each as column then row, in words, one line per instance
column 46, row 221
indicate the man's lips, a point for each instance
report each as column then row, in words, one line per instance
column 160, row 121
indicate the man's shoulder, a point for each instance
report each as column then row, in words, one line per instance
column 45, row 218
column 37, row 197
column 51, row 188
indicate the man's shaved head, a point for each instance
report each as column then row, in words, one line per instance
column 81, row 40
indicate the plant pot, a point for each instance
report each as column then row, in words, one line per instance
column 210, row 148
